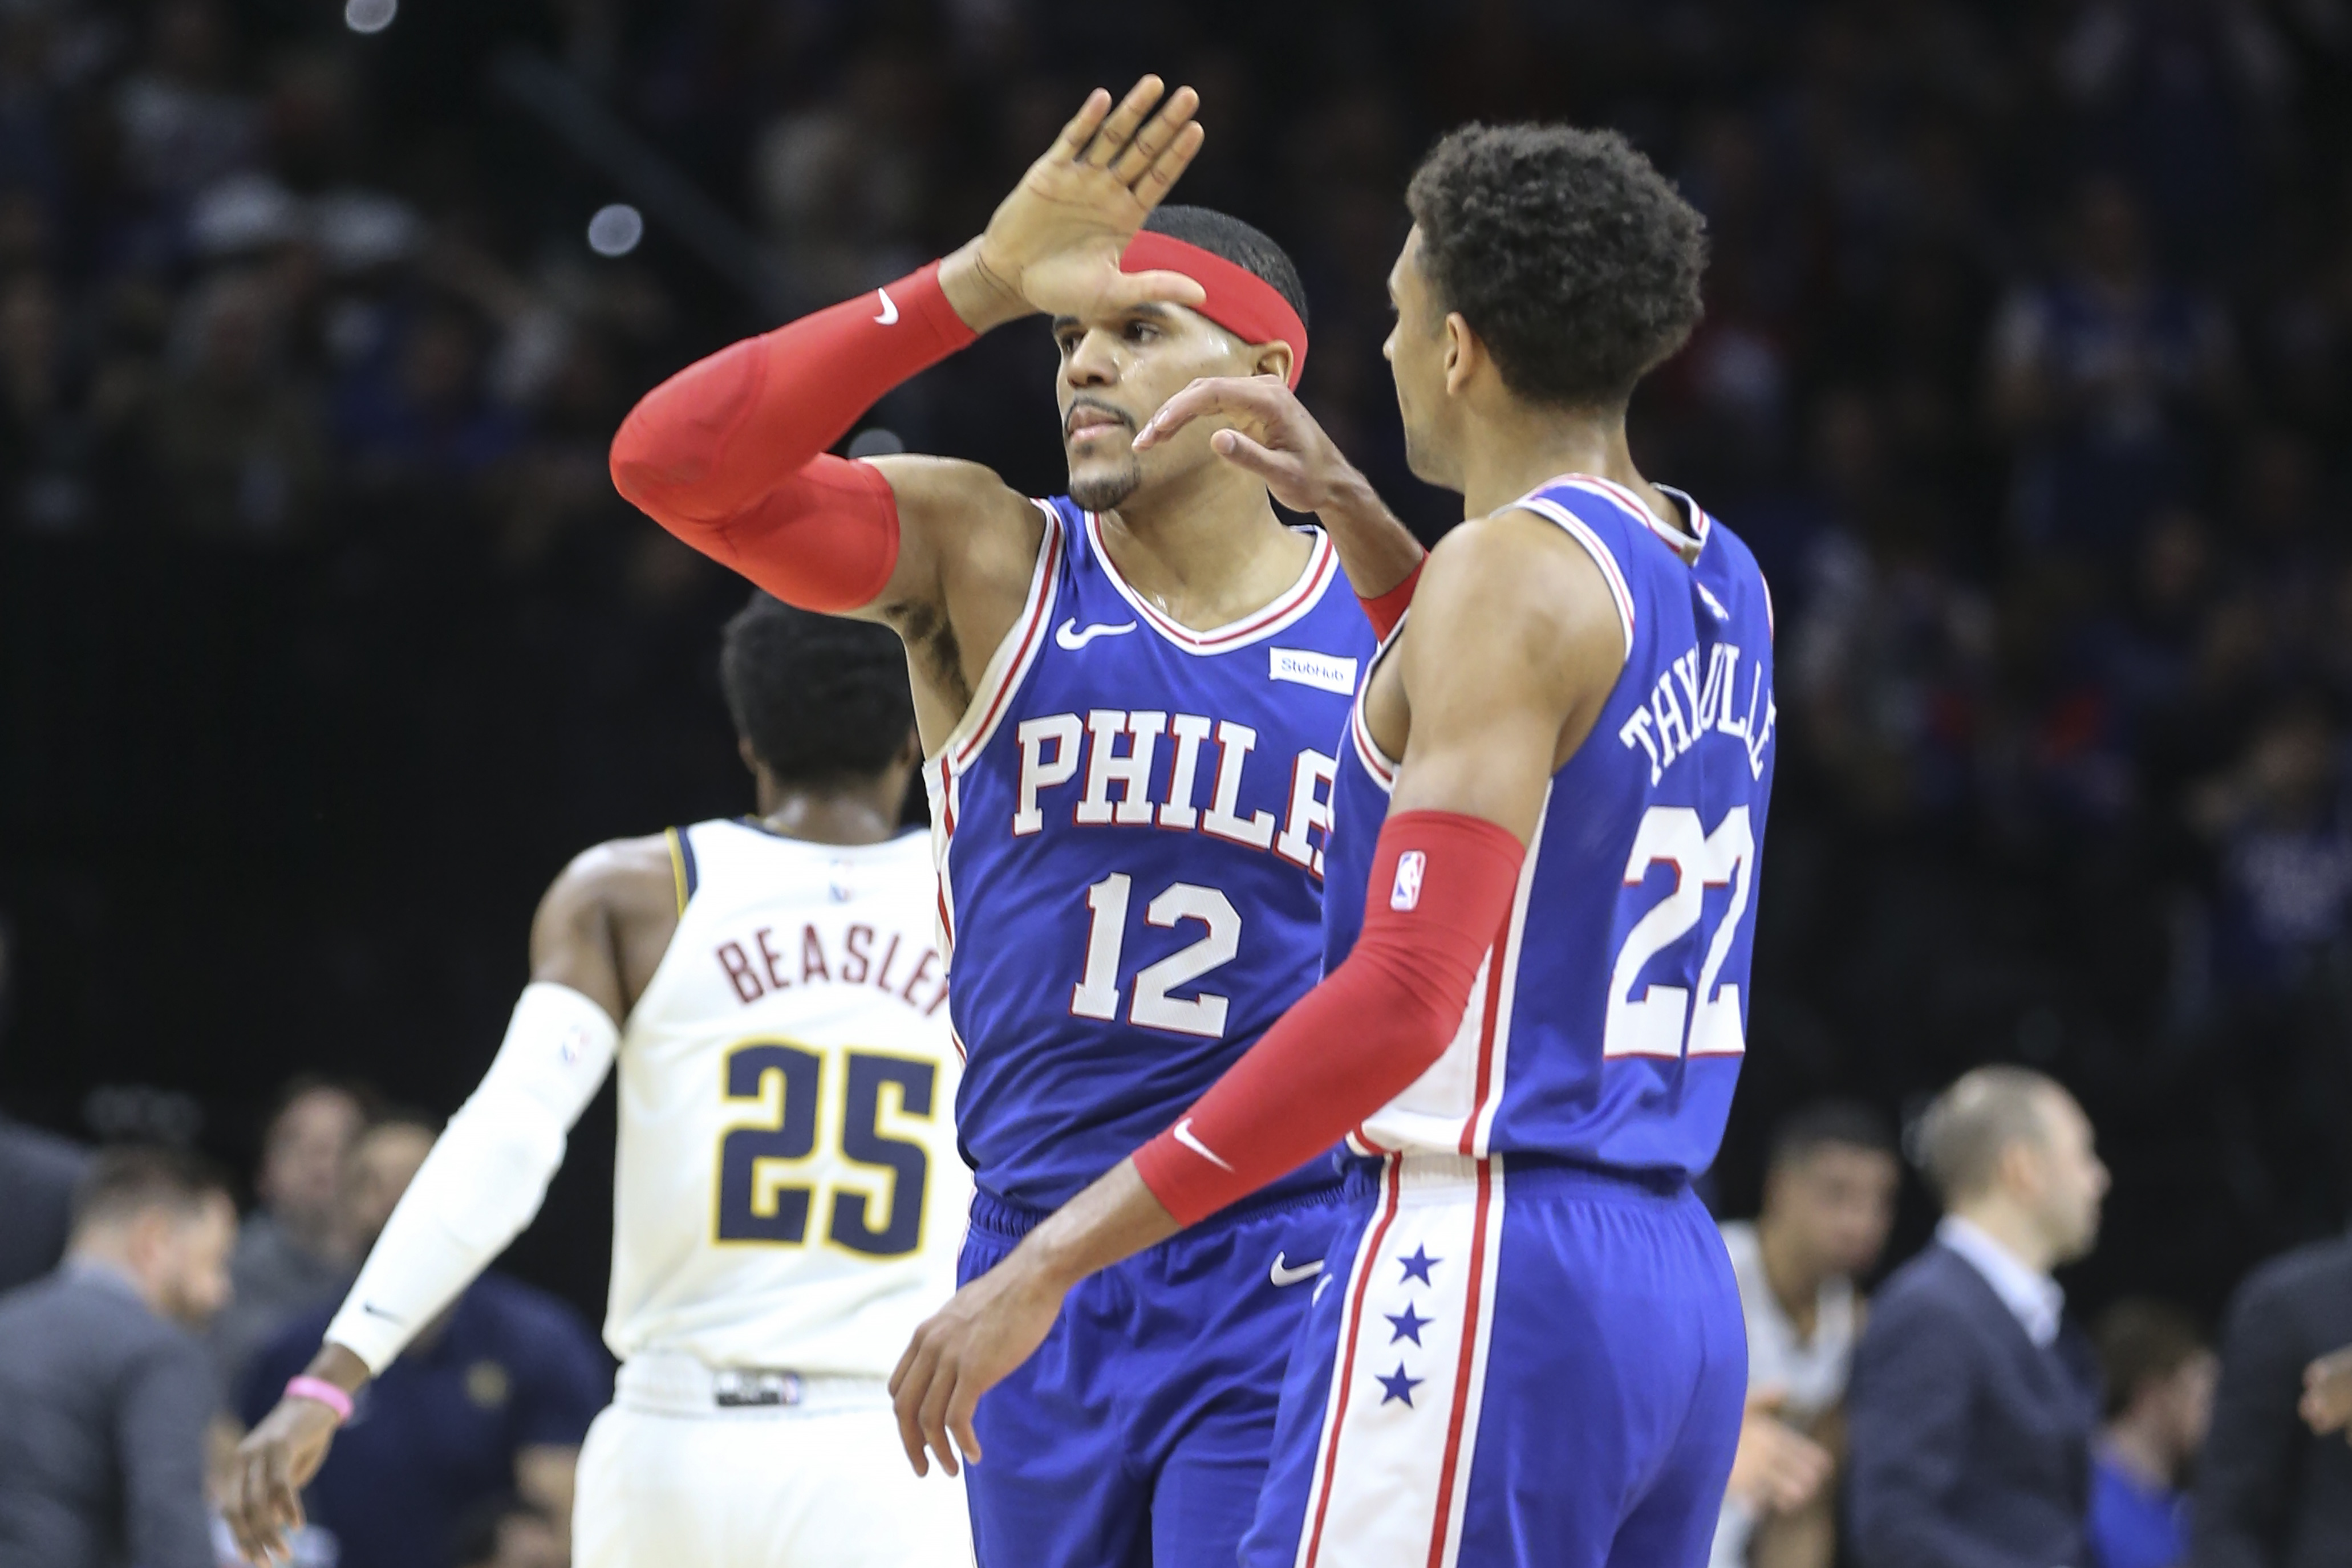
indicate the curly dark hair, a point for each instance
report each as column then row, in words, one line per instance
column 1565, row 250
column 1252, row 249
column 819, row 698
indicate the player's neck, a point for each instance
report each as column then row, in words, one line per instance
column 829, row 816
column 1509, row 451
column 1204, row 548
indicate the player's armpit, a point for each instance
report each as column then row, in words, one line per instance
column 1514, row 649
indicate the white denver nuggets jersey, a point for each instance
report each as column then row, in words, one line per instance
column 788, row 1192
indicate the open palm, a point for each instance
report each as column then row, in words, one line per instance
column 1055, row 241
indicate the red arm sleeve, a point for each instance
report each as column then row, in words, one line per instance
column 1385, row 609
column 1441, row 887
column 727, row 454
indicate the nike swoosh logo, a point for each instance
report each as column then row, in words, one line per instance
column 1282, row 1275
column 371, row 1310
column 1182, row 1133
column 890, row 313
column 1069, row 635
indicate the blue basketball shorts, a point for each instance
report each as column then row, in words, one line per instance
column 1514, row 1362
column 1138, row 1433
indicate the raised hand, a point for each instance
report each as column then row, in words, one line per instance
column 1269, row 432
column 1054, row 243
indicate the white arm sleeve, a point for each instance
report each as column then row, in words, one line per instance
column 486, row 1176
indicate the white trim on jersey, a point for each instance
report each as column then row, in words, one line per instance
column 1401, row 1423
column 1322, row 566
column 1013, row 657
column 1577, row 529
column 1495, row 1044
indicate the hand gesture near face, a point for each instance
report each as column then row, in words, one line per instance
column 1055, row 243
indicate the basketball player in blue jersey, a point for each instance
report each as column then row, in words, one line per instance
column 1542, row 875
column 1129, row 699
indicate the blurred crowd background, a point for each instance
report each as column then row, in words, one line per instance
column 324, row 640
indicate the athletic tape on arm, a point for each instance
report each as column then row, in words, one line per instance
column 486, row 1176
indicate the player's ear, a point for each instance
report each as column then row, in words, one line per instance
column 1462, row 352
column 1271, row 359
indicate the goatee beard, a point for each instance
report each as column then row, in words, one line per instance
column 1101, row 492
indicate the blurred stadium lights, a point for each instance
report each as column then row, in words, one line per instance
column 571, row 112
column 876, row 441
column 615, row 229
column 370, row 16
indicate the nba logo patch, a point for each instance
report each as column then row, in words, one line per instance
column 1406, row 893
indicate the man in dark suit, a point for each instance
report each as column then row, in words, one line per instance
column 1973, row 1402
column 2270, row 1492
column 104, row 1392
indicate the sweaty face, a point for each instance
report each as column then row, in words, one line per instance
column 1415, row 350
column 2071, row 1180
column 1115, row 374
column 1839, row 1201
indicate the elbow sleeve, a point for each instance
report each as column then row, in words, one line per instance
column 486, row 1176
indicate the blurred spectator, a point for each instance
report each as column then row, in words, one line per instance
column 1973, row 1401
column 1829, row 1197
column 182, row 123
column 107, row 1393
column 292, row 1252
column 492, row 1399
column 2270, row 1492
column 2283, row 826
column 419, row 413
column 506, row 1532
column 37, row 1170
column 2102, row 375
column 238, row 439
column 2160, row 1379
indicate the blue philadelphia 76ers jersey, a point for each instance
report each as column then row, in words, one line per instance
column 1608, row 1025
column 1130, row 825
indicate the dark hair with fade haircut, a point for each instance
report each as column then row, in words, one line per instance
column 1568, row 252
column 2142, row 1341
column 127, row 1179
column 818, row 698
column 1846, row 1123
column 1251, row 249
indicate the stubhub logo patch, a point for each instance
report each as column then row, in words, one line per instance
column 1325, row 671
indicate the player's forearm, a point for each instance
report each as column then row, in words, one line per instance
column 339, row 1364
column 1113, row 1219
column 1377, row 551
column 486, row 1176
column 1442, row 886
column 711, row 441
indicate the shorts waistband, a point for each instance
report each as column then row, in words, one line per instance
column 1420, row 1173
column 1003, row 1219
column 668, row 1382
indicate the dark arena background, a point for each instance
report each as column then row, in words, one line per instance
column 2027, row 369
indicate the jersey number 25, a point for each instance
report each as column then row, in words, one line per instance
column 758, row 1203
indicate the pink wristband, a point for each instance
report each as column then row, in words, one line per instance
column 324, row 1392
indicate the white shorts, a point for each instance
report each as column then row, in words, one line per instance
column 668, row 1477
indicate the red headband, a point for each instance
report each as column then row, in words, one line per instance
column 1239, row 300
